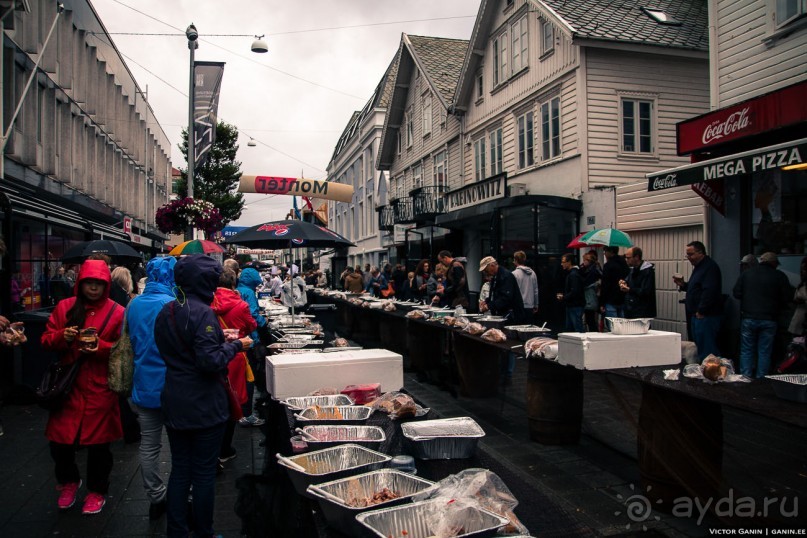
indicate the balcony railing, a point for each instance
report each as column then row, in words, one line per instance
column 402, row 208
column 386, row 217
column 427, row 203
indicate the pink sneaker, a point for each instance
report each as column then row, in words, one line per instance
column 93, row 503
column 67, row 495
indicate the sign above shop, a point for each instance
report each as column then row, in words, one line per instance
column 476, row 193
column 774, row 110
column 749, row 162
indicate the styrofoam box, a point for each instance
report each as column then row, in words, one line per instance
column 299, row 374
column 602, row 351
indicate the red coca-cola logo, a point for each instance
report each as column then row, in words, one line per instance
column 735, row 122
column 279, row 229
column 666, row 182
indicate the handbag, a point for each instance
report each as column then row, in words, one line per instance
column 121, row 362
column 388, row 291
column 57, row 381
column 236, row 413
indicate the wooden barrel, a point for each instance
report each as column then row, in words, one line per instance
column 680, row 446
column 554, row 402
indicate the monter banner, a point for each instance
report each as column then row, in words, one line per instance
column 206, row 90
column 293, row 186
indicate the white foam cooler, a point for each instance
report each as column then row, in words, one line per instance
column 602, row 351
column 298, row 374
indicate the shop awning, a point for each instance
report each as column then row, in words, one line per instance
column 757, row 160
column 28, row 204
column 472, row 214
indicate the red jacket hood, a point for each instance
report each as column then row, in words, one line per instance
column 96, row 269
column 225, row 300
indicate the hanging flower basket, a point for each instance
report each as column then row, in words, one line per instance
column 174, row 217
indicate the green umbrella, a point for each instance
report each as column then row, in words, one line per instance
column 608, row 237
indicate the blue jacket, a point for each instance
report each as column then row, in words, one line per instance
column 192, row 345
column 149, row 368
column 248, row 282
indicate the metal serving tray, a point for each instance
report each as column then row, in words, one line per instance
column 412, row 519
column 296, row 345
column 298, row 403
column 790, row 386
column 334, row 497
column 442, row 439
column 330, row 435
column 351, row 414
column 625, row 326
column 330, row 464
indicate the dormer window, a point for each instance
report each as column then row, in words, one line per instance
column 661, row 16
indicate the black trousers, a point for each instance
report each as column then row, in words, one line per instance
column 99, row 465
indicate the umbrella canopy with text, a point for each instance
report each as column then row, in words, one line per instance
column 607, row 237
column 289, row 234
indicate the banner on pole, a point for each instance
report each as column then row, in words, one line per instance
column 292, row 186
column 206, row 90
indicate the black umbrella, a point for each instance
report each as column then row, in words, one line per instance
column 288, row 234
column 119, row 252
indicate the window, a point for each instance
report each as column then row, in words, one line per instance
column 479, row 159
column 370, row 219
column 360, row 217
column 440, row 169
column 550, row 129
column 496, row 152
column 427, row 114
column 525, row 140
column 40, row 112
column 400, row 186
column 789, row 10
column 521, row 43
column 637, row 126
column 398, row 141
column 500, row 59
column 417, row 176
column 410, row 137
column 480, row 86
column 547, row 37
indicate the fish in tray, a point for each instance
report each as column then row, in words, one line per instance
column 337, row 414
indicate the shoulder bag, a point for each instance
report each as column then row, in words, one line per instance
column 57, row 381
column 121, row 361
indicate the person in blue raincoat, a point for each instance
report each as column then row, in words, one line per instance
column 194, row 398
column 248, row 282
column 149, row 375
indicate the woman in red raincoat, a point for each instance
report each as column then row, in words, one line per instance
column 233, row 313
column 90, row 416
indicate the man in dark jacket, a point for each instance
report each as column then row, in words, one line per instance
column 456, row 289
column 194, row 399
column 639, row 286
column 572, row 297
column 704, row 300
column 763, row 293
column 612, row 299
column 505, row 296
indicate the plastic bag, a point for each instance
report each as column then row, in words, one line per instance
column 477, row 488
column 541, row 346
column 713, row 370
column 494, row 335
column 475, row 328
column 324, row 391
column 397, row 404
column 339, row 342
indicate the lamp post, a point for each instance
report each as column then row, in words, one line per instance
column 192, row 36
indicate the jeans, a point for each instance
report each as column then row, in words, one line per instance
column 574, row 319
column 704, row 334
column 756, row 345
column 99, row 465
column 151, row 431
column 194, row 458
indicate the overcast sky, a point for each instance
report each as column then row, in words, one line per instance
column 325, row 59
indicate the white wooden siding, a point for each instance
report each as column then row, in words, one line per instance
column 747, row 66
column 680, row 87
column 637, row 209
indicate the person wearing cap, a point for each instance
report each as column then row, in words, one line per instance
column 505, row 297
column 748, row 261
column 763, row 292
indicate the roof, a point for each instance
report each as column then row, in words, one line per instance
column 440, row 59
column 380, row 99
column 624, row 21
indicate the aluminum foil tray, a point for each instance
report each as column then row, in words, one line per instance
column 790, row 386
column 330, row 464
column 297, row 403
column 412, row 519
column 351, row 414
column 335, row 497
column 292, row 337
column 625, row 326
column 443, row 439
column 330, row 435
column 296, row 345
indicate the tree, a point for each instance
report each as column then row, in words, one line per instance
column 217, row 180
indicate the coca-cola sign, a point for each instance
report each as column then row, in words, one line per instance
column 666, row 182
column 769, row 112
column 732, row 124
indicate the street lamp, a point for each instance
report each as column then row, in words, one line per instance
column 192, row 36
